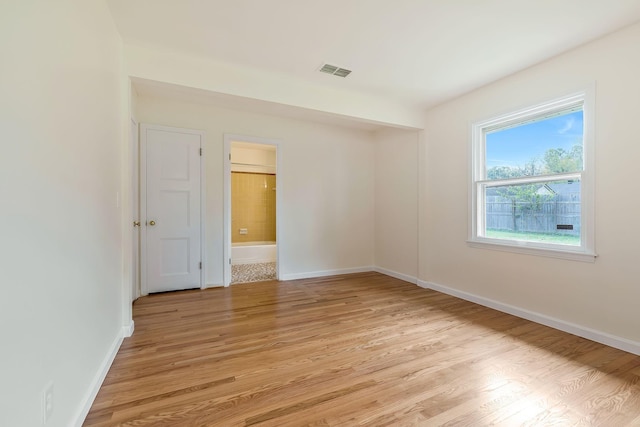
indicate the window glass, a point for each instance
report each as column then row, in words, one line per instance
column 544, row 212
column 543, row 146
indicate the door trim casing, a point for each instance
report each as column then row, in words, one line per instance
column 144, row 127
column 226, row 217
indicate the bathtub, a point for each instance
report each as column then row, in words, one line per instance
column 253, row 252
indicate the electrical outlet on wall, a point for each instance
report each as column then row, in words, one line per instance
column 47, row 402
column 244, row 231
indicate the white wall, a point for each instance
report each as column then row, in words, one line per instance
column 133, row 100
column 327, row 177
column 602, row 296
column 396, row 203
column 61, row 100
column 194, row 71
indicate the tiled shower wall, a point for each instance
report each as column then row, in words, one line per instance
column 253, row 206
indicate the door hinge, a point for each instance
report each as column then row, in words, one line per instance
column 200, row 265
column 201, row 151
column 229, row 156
column 229, row 261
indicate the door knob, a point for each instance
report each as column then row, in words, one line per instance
column 152, row 223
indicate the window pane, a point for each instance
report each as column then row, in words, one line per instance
column 546, row 212
column 540, row 147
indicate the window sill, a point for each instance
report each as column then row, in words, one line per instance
column 528, row 249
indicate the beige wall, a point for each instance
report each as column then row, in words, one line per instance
column 602, row 296
column 327, row 176
column 62, row 105
column 396, row 204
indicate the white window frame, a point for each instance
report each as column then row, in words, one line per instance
column 586, row 251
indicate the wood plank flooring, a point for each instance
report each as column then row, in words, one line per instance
column 361, row 349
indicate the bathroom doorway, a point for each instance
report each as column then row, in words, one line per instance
column 251, row 202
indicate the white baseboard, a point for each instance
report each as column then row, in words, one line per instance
column 213, row 285
column 324, row 273
column 397, row 275
column 127, row 330
column 581, row 331
column 100, row 376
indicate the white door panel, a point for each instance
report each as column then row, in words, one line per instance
column 135, row 211
column 173, row 234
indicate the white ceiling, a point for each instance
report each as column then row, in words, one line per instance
column 418, row 52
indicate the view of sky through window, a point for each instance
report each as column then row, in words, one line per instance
column 517, row 146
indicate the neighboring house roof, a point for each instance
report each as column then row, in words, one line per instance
column 565, row 188
column 545, row 190
column 560, row 189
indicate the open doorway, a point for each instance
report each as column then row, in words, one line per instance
column 251, row 204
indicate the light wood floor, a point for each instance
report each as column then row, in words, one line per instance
column 362, row 349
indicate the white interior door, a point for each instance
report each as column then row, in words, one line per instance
column 172, row 227
column 135, row 211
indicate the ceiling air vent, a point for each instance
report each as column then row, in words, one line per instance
column 336, row 71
